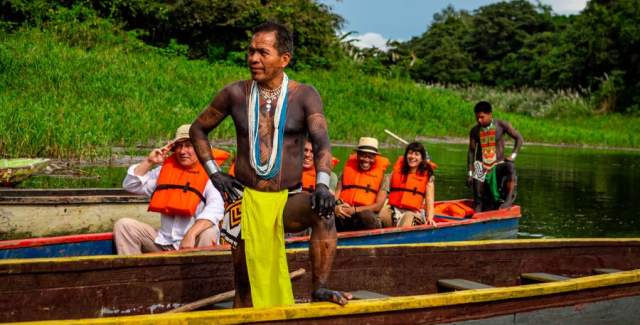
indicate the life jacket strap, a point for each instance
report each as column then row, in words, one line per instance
column 184, row 188
column 414, row 191
column 364, row 188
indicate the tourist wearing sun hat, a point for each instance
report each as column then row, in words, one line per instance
column 188, row 218
column 360, row 189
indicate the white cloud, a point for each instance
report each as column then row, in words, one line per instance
column 565, row 7
column 369, row 40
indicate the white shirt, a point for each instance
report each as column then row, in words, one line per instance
column 173, row 228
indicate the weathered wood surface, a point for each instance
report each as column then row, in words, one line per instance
column 460, row 284
column 108, row 286
column 537, row 277
column 28, row 213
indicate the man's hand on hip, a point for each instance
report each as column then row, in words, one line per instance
column 322, row 201
column 227, row 185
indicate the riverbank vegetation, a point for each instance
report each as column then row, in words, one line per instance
column 76, row 81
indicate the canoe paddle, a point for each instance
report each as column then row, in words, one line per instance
column 405, row 142
column 222, row 296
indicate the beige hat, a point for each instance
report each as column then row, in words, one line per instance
column 182, row 132
column 366, row 144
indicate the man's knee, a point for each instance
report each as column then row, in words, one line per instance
column 369, row 219
column 509, row 169
column 123, row 225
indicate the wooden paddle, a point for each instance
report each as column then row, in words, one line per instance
column 405, row 142
column 222, row 296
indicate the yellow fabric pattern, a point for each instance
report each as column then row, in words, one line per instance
column 262, row 229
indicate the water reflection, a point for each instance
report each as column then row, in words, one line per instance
column 563, row 192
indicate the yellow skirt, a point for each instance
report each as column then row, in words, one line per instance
column 262, row 229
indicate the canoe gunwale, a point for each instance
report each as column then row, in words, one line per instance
column 68, row 196
column 391, row 304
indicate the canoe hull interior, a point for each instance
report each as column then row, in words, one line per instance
column 85, row 287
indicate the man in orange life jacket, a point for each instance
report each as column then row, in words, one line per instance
column 360, row 189
column 190, row 206
column 491, row 175
column 309, row 170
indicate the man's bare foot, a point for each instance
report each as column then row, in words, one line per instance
column 505, row 205
column 338, row 297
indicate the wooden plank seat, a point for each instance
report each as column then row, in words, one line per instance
column 540, row 277
column 364, row 294
column 445, row 285
column 224, row 305
column 605, row 271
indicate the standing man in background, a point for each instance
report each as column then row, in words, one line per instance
column 491, row 175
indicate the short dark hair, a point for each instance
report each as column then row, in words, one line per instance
column 482, row 107
column 284, row 39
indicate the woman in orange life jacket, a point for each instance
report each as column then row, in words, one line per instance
column 180, row 190
column 411, row 189
column 360, row 189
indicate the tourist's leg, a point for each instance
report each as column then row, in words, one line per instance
column 409, row 218
column 133, row 237
column 241, row 278
column 368, row 220
column 298, row 215
column 386, row 216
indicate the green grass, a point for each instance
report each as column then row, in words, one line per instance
column 58, row 100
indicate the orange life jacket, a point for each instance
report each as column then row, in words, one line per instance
column 220, row 156
column 309, row 179
column 454, row 209
column 361, row 187
column 407, row 192
column 309, row 176
column 179, row 190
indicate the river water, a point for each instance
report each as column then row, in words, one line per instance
column 563, row 192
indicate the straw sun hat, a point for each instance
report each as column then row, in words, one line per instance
column 366, row 144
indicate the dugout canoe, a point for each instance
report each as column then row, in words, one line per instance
column 13, row 171
column 32, row 213
column 499, row 224
column 412, row 284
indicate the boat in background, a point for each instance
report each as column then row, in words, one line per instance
column 13, row 171
column 499, row 224
column 32, row 213
column 559, row 281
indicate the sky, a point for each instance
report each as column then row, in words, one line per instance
column 376, row 21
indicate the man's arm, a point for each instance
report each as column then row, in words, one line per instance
column 210, row 216
column 208, row 120
column 318, row 131
column 430, row 201
column 141, row 178
column 322, row 200
column 513, row 133
column 471, row 152
column 189, row 239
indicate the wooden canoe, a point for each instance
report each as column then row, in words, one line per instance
column 500, row 224
column 407, row 280
column 32, row 213
column 13, row 171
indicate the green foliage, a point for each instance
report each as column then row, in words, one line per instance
column 63, row 101
column 440, row 52
column 515, row 44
